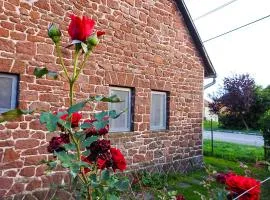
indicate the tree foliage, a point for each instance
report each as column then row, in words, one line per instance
column 236, row 97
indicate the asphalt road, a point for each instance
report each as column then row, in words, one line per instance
column 237, row 138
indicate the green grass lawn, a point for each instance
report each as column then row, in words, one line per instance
column 233, row 152
column 207, row 125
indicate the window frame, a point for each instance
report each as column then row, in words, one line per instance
column 14, row 91
column 129, row 109
column 165, row 114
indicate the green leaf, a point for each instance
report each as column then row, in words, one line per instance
column 39, row 72
column 92, row 178
column 112, row 197
column 74, row 169
column 68, row 160
column 122, row 185
column 84, row 164
column 76, row 107
column 86, row 125
column 100, row 116
column 114, row 99
column 60, row 114
column 65, row 124
column 112, row 181
column 84, row 47
column 105, row 175
column 52, row 74
column 80, row 135
column 113, row 114
column 89, row 141
column 13, row 114
column 51, row 164
column 172, row 193
column 70, row 146
column 62, row 156
column 111, row 99
column 50, row 120
column 86, row 153
column 100, row 124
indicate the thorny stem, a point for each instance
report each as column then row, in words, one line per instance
column 59, row 53
column 72, row 82
column 71, row 92
column 83, row 64
column 82, row 177
column 76, row 57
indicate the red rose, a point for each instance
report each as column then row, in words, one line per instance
column 100, row 33
column 85, row 159
column 102, row 160
column 56, row 143
column 100, row 147
column 118, row 159
column 75, row 118
column 93, row 131
column 240, row 184
column 221, row 177
column 80, row 29
column 180, row 197
column 101, row 163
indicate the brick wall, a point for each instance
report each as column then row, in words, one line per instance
column 147, row 46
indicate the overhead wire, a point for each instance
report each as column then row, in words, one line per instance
column 235, row 29
column 214, row 10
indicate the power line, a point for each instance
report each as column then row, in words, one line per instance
column 240, row 27
column 214, row 10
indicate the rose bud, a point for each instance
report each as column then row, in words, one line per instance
column 100, row 33
column 92, row 41
column 54, row 33
column 80, row 28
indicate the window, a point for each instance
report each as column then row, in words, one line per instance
column 8, row 92
column 158, row 110
column 123, row 122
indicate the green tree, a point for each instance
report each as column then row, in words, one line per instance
column 260, row 105
column 236, row 97
column 265, row 129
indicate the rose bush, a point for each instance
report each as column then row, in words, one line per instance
column 90, row 160
column 82, row 146
column 239, row 184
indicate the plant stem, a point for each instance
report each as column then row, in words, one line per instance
column 71, row 92
column 59, row 53
column 76, row 57
column 89, row 193
column 78, row 150
column 83, row 64
column 72, row 82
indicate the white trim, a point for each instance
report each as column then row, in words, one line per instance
column 13, row 91
column 163, row 117
column 128, row 128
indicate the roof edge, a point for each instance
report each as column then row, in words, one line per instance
column 209, row 70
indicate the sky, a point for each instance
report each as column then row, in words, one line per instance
column 244, row 51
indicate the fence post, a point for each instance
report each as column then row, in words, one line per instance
column 266, row 137
column 212, row 137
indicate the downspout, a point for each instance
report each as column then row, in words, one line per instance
column 210, row 84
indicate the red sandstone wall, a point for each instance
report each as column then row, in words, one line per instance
column 147, row 46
